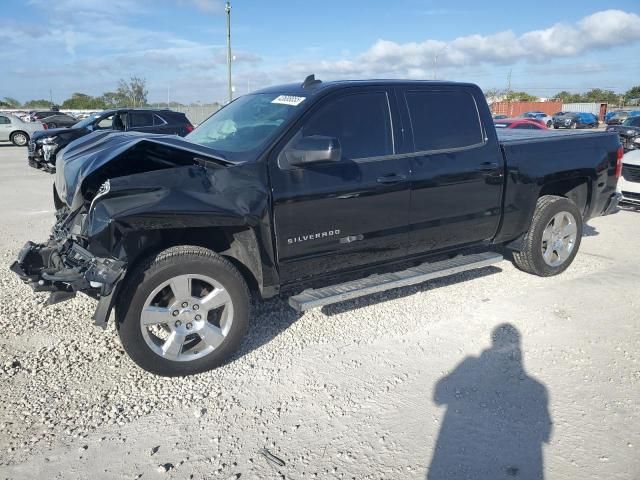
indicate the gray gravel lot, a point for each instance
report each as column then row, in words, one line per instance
column 363, row 389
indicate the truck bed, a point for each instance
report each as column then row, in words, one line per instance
column 510, row 136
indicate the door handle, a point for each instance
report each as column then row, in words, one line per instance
column 391, row 178
column 488, row 167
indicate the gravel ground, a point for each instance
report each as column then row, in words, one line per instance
column 364, row 389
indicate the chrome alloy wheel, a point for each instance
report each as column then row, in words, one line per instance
column 186, row 317
column 559, row 239
column 20, row 139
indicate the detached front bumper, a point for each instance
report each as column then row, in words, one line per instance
column 63, row 268
column 612, row 205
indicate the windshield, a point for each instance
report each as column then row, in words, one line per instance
column 245, row 124
column 87, row 121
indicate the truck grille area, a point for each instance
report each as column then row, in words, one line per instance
column 631, row 173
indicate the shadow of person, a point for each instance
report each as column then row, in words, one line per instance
column 497, row 416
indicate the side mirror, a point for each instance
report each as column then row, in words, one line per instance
column 637, row 140
column 314, row 149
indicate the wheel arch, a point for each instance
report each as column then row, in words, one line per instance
column 238, row 245
column 578, row 189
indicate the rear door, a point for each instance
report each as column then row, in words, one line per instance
column 339, row 216
column 457, row 170
column 140, row 121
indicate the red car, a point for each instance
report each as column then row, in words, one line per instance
column 520, row 123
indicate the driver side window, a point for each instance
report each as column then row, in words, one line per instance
column 105, row 123
column 361, row 122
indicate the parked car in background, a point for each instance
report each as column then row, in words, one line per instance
column 629, row 183
column 59, row 120
column 520, row 123
column 542, row 117
column 575, row 120
column 39, row 115
column 17, row 131
column 43, row 146
column 499, row 116
column 620, row 116
column 629, row 131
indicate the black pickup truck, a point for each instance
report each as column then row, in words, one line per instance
column 317, row 191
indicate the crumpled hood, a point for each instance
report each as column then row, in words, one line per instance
column 67, row 134
column 87, row 154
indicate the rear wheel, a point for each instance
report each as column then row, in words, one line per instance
column 553, row 239
column 549, row 123
column 19, row 139
column 183, row 311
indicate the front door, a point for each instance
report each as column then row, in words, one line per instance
column 457, row 170
column 339, row 216
column 5, row 128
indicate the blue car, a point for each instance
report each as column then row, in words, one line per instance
column 575, row 120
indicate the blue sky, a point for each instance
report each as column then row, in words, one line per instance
column 178, row 45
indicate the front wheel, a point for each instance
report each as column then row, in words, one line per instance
column 182, row 311
column 549, row 123
column 553, row 239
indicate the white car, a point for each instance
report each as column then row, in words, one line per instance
column 540, row 116
column 629, row 183
column 12, row 129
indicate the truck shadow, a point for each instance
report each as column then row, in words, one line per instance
column 589, row 231
column 497, row 416
column 274, row 316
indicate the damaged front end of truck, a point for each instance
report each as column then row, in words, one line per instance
column 116, row 196
column 63, row 266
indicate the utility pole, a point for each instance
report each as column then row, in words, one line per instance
column 509, row 82
column 227, row 9
column 51, row 96
column 168, row 87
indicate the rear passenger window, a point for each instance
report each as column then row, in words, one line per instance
column 360, row 122
column 4, row 120
column 140, row 119
column 443, row 120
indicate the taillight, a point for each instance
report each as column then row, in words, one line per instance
column 619, row 162
column 45, row 126
column 189, row 128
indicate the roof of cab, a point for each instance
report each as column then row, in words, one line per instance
column 315, row 88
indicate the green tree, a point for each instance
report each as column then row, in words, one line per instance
column 10, row 102
column 520, row 97
column 133, row 93
column 633, row 95
column 568, row 97
column 82, row 101
column 113, row 99
column 39, row 103
column 597, row 95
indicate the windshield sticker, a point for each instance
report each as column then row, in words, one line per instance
column 288, row 100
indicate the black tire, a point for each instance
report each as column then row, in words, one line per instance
column 530, row 258
column 20, row 138
column 549, row 123
column 556, row 127
column 57, row 202
column 159, row 268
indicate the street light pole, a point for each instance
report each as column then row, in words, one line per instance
column 227, row 9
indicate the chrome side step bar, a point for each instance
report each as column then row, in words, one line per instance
column 314, row 298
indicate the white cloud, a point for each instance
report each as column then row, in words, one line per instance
column 601, row 30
